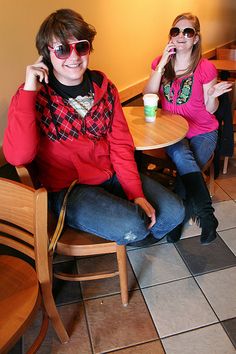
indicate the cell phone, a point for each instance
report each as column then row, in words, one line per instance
column 172, row 51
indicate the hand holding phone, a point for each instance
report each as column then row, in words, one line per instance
column 172, row 51
column 36, row 74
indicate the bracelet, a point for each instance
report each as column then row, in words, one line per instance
column 160, row 70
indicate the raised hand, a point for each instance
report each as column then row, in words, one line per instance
column 166, row 55
column 219, row 88
column 35, row 75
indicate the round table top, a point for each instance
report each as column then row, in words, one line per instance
column 167, row 129
column 224, row 64
column 19, row 298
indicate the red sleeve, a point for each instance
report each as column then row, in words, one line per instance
column 122, row 154
column 21, row 136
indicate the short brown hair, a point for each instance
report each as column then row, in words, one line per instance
column 63, row 24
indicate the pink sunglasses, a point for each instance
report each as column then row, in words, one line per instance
column 63, row 51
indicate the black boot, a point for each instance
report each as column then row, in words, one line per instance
column 197, row 193
column 174, row 235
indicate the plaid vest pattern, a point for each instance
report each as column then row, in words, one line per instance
column 60, row 121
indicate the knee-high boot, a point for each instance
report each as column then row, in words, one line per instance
column 197, row 193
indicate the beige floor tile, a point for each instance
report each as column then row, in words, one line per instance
column 157, row 264
column 228, row 185
column 147, row 348
column 226, row 214
column 113, row 326
column 207, row 340
column 178, row 306
column 229, row 237
column 220, row 289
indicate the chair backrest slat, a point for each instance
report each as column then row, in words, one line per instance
column 23, row 222
column 226, row 54
column 17, row 232
column 21, row 247
column 17, row 205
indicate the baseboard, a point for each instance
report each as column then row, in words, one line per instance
column 226, row 45
column 210, row 54
column 132, row 91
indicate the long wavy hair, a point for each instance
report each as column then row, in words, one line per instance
column 169, row 74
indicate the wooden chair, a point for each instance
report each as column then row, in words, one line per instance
column 225, row 115
column 226, row 53
column 23, row 227
column 78, row 243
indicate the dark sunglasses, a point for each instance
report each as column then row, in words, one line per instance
column 188, row 32
column 63, row 51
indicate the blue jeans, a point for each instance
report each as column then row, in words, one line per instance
column 190, row 155
column 105, row 211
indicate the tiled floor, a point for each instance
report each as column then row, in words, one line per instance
column 182, row 297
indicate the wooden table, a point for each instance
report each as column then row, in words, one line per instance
column 167, row 129
column 220, row 64
column 19, row 299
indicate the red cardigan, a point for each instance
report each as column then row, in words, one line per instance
column 59, row 160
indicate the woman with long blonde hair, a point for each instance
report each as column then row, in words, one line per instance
column 187, row 85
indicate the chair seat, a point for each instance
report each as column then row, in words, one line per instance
column 19, row 299
column 80, row 243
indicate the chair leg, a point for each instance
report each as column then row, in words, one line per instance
column 212, row 181
column 122, row 267
column 225, row 168
column 53, row 314
column 42, row 334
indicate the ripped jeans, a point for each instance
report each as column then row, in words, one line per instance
column 105, row 211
